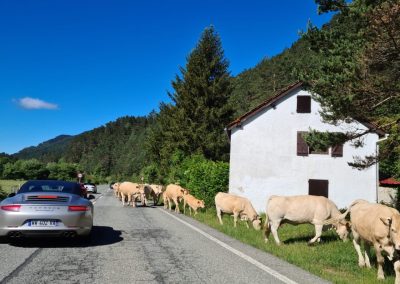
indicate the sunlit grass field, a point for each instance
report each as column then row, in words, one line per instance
column 332, row 259
column 10, row 185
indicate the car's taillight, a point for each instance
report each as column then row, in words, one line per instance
column 11, row 207
column 78, row 208
column 48, row 196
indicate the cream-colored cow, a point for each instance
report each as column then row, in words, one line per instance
column 238, row 206
column 193, row 203
column 378, row 226
column 153, row 190
column 132, row 191
column 115, row 187
column 158, row 190
column 174, row 193
column 302, row 209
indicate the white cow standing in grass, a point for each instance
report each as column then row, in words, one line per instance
column 192, row 202
column 378, row 226
column 239, row 207
column 302, row 209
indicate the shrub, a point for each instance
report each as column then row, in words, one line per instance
column 203, row 178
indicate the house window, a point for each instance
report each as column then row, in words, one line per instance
column 302, row 147
column 303, row 104
column 318, row 187
column 337, row 151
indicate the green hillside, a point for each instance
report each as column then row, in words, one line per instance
column 48, row 151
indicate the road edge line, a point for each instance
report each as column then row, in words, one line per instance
column 249, row 259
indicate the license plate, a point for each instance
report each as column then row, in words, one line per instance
column 43, row 223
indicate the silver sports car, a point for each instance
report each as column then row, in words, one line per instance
column 47, row 207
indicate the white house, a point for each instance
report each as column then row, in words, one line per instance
column 268, row 155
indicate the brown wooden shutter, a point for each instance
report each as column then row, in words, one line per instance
column 318, row 187
column 303, row 104
column 302, row 147
column 337, row 151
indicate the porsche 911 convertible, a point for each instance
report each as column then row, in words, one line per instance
column 46, row 207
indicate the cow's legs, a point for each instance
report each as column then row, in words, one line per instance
column 176, row 205
column 396, row 266
column 267, row 230
column 123, row 199
column 318, row 232
column 367, row 248
column 219, row 215
column 184, row 207
column 235, row 217
column 155, row 198
column 170, row 203
column 356, row 243
column 380, row 260
column 274, row 229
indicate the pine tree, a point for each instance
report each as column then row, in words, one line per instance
column 195, row 122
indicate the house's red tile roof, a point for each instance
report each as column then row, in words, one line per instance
column 390, row 182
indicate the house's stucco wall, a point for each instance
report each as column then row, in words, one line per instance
column 264, row 161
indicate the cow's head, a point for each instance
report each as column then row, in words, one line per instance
column 115, row 186
column 394, row 229
column 257, row 223
column 342, row 228
column 200, row 203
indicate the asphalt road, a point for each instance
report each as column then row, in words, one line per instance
column 143, row 245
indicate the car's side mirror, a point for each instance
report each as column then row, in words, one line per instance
column 11, row 194
column 91, row 196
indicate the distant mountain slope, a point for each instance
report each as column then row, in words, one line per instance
column 48, row 151
column 116, row 148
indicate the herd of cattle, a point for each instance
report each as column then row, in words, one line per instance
column 376, row 224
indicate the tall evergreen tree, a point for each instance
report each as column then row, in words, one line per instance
column 195, row 122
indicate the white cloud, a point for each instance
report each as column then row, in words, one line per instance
column 31, row 103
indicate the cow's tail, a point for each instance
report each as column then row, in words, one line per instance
column 267, row 228
column 342, row 216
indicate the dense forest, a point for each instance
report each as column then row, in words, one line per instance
column 353, row 63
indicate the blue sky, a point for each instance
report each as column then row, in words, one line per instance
column 68, row 66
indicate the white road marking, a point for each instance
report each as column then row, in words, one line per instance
column 94, row 202
column 263, row 267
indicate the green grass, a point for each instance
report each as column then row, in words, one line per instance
column 8, row 186
column 332, row 259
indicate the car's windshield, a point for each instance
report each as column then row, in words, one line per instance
column 50, row 186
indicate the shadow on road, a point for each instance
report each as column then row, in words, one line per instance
column 101, row 236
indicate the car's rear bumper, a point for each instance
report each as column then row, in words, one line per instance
column 79, row 222
column 10, row 232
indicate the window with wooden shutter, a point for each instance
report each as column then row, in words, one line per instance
column 318, row 187
column 302, row 147
column 337, row 151
column 303, row 104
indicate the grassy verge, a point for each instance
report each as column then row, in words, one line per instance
column 332, row 259
column 8, row 186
